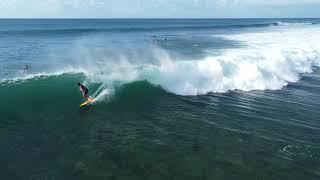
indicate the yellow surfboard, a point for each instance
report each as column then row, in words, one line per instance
column 91, row 100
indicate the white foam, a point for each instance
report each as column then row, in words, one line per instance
column 294, row 23
column 32, row 76
column 269, row 60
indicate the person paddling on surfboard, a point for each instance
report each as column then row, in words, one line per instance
column 84, row 90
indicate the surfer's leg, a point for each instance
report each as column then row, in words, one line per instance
column 85, row 96
column 89, row 98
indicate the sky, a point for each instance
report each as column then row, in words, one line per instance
column 159, row 8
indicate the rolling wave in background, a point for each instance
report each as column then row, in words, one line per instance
column 135, row 26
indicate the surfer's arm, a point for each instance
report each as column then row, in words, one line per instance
column 82, row 91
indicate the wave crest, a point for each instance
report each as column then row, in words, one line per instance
column 270, row 60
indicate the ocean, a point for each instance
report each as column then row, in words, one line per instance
column 177, row 99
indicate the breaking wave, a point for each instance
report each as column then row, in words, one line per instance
column 268, row 60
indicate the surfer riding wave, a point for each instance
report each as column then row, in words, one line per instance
column 85, row 92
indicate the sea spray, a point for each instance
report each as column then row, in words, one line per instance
column 269, row 60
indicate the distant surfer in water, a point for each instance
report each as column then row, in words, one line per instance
column 84, row 91
column 26, row 68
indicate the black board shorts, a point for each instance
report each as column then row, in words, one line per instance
column 86, row 92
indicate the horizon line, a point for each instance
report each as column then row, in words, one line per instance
column 71, row 18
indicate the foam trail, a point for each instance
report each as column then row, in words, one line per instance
column 294, row 24
column 104, row 94
column 95, row 94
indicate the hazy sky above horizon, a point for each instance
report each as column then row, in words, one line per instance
column 158, row 8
